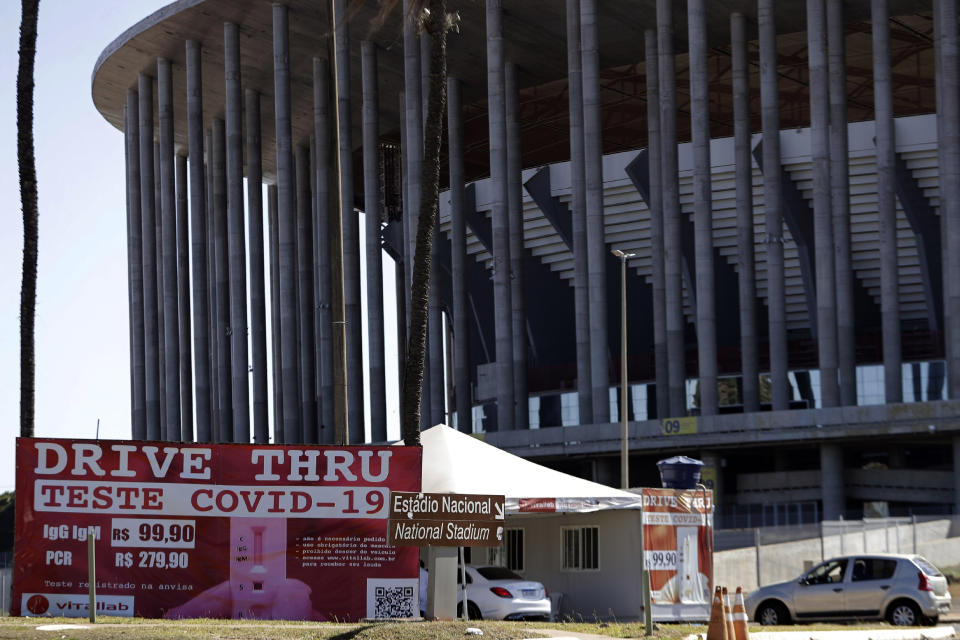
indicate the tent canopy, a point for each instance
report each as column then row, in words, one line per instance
column 455, row 462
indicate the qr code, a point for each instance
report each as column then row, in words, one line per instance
column 396, row 598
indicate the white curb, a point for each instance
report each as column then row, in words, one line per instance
column 907, row 633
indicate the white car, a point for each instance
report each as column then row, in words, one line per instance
column 904, row 589
column 497, row 593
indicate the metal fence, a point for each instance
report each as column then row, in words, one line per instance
column 763, row 555
column 779, row 515
column 877, row 535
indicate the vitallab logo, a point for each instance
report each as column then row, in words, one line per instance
column 37, row 604
column 74, row 605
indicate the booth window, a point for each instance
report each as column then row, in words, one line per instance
column 513, row 549
column 581, row 548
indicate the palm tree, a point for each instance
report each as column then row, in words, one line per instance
column 26, row 161
column 436, row 23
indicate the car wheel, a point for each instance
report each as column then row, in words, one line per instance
column 772, row 613
column 473, row 611
column 903, row 613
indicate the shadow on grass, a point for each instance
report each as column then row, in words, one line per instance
column 352, row 633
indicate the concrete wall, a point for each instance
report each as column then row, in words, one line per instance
column 614, row 590
column 935, row 540
column 783, row 561
column 6, row 590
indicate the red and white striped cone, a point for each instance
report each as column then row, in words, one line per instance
column 740, row 617
column 727, row 614
column 717, row 629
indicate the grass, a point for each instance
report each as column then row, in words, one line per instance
column 144, row 629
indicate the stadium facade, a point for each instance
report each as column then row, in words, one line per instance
column 785, row 174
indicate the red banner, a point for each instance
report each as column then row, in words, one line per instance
column 212, row 530
column 678, row 552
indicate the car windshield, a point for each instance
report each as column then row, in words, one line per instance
column 926, row 567
column 498, row 573
column 827, row 573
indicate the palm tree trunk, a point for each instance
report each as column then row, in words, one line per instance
column 436, row 26
column 26, row 162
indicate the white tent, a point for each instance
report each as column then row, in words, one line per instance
column 547, row 511
column 454, row 462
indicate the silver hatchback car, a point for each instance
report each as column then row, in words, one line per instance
column 904, row 589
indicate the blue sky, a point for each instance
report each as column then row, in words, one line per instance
column 82, row 330
column 82, row 348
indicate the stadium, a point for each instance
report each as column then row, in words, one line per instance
column 771, row 187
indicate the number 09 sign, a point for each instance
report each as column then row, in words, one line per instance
column 205, row 530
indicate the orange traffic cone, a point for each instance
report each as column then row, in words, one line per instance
column 717, row 629
column 740, row 617
column 727, row 615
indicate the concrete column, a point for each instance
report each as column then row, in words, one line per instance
column 258, row 311
column 237, row 250
column 670, row 190
column 956, row 474
column 413, row 154
column 198, row 237
column 372, row 193
column 135, row 263
column 942, row 165
column 221, row 261
column 746, row 270
column 826, row 323
column 287, row 225
column 130, row 306
column 442, row 583
column 274, row 239
column 948, row 118
column 515, row 214
column 503, row 325
column 596, row 245
column 449, row 387
column 831, row 481
column 840, row 200
column 183, row 302
column 168, row 220
column 458, row 259
column 304, row 429
column 886, row 201
column 578, row 209
column 315, row 312
column 773, row 202
column 702, row 205
column 212, row 295
column 661, row 362
column 351, row 237
column 433, row 371
column 158, row 261
column 324, row 352
column 402, row 274
column 308, row 402
column 424, row 75
column 712, row 465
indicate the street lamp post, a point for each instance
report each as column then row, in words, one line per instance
column 624, row 447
